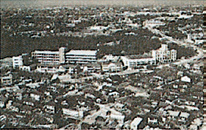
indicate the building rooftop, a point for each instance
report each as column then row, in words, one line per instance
column 136, row 121
column 82, row 52
column 139, row 56
column 46, row 52
column 174, row 113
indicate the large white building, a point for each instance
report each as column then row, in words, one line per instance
column 133, row 61
column 50, row 57
column 164, row 55
column 59, row 57
column 81, row 56
column 17, row 61
column 161, row 55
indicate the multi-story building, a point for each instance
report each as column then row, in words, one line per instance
column 81, row 56
column 17, row 61
column 50, row 57
column 134, row 61
column 164, row 55
column 60, row 57
column 161, row 55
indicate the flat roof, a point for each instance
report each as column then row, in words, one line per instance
column 174, row 113
column 136, row 121
column 47, row 52
column 82, row 52
column 137, row 60
column 139, row 56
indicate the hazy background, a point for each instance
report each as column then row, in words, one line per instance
column 50, row 3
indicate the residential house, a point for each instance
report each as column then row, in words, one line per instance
column 49, row 68
column 185, row 79
column 135, row 123
column 72, row 113
column 25, row 68
column 49, row 108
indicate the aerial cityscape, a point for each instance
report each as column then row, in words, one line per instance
column 102, row 67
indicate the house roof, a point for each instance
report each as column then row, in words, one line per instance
column 173, row 113
column 136, row 121
column 139, row 56
column 185, row 79
column 184, row 114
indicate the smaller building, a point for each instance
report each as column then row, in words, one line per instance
column 91, row 67
column 72, row 113
column 48, row 68
column 135, row 60
column 173, row 114
column 135, row 123
column 49, row 108
column 185, row 79
column 164, row 55
column 111, row 67
column 17, row 61
column 6, row 62
column 6, row 80
column 25, row 68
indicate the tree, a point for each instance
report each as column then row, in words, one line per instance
column 111, row 99
column 108, row 113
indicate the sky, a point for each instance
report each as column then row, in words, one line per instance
column 59, row 3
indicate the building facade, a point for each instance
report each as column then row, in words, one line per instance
column 17, row 61
column 50, row 57
column 6, row 80
column 81, row 56
column 132, row 62
column 164, row 55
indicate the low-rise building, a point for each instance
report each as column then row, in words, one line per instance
column 135, row 123
column 47, row 68
column 72, row 113
column 6, row 80
column 134, row 61
column 49, row 108
column 111, row 67
column 185, row 79
column 25, row 68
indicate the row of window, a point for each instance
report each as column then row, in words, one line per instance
column 137, row 63
column 80, row 55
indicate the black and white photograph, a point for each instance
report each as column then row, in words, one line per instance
column 102, row 64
